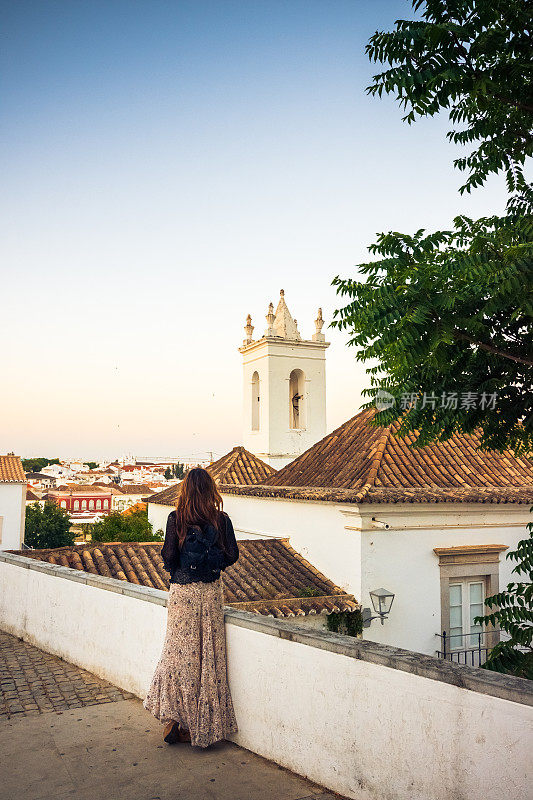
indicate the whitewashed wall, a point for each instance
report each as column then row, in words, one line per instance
column 315, row 530
column 350, row 715
column 12, row 515
column 402, row 559
column 158, row 515
column 339, row 540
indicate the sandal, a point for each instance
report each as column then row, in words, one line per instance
column 171, row 734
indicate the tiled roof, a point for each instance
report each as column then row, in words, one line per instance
column 31, row 497
column 135, row 488
column 109, row 488
column 86, row 488
column 11, row 470
column 139, row 506
column 168, row 497
column 374, row 465
column 267, row 579
column 485, row 494
column 239, row 466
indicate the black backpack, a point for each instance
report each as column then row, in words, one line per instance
column 201, row 556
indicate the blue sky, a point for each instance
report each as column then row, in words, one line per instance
column 167, row 167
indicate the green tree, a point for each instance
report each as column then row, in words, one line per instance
column 178, row 470
column 472, row 59
column 37, row 464
column 92, row 464
column 131, row 526
column 168, row 473
column 511, row 611
column 47, row 527
column 448, row 315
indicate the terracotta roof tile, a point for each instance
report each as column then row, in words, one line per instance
column 135, row 488
column 239, row 466
column 168, row 497
column 485, row 494
column 11, row 470
column 378, row 466
column 268, row 578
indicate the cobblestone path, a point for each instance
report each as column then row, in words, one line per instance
column 34, row 682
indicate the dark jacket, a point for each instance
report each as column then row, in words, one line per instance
column 170, row 552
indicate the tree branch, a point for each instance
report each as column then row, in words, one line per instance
column 491, row 349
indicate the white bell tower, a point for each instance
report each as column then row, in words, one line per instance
column 284, row 387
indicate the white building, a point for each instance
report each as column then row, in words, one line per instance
column 127, row 496
column 62, row 472
column 284, row 382
column 431, row 524
column 12, row 502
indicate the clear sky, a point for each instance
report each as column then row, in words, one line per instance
column 166, row 168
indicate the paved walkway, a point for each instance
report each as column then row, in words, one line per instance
column 66, row 734
column 33, row 682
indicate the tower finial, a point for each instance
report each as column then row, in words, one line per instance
column 281, row 292
column 248, row 329
column 270, row 317
column 319, row 323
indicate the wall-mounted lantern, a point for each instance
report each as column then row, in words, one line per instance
column 382, row 603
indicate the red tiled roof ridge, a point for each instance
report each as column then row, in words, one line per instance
column 386, row 494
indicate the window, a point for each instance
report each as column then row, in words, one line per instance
column 297, row 399
column 466, row 603
column 63, row 504
column 76, row 505
column 91, row 503
column 256, row 402
column 468, row 574
column 98, row 503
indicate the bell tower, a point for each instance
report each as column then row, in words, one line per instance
column 284, row 387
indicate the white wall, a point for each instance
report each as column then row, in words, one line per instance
column 158, row 515
column 274, row 360
column 402, row 559
column 339, row 540
column 12, row 515
column 319, row 704
column 316, row 531
column 65, row 617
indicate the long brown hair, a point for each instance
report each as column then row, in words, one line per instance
column 198, row 502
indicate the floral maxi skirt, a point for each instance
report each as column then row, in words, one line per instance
column 190, row 682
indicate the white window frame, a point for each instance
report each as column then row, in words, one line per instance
column 468, row 639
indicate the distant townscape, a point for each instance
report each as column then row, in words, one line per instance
column 89, row 490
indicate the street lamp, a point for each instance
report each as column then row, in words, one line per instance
column 382, row 603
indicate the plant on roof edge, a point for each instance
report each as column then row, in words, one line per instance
column 511, row 611
column 348, row 623
column 448, row 315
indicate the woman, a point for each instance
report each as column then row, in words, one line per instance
column 189, row 690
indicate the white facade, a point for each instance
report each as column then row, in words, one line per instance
column 12, row 515
column 341, row 541
column 121, row 502
column 158, row 515
column 284, row 388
